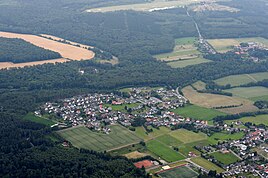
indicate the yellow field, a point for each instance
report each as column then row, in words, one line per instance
column 224, row 45
column 67, row 51
column 212, row 100
column 135, row 154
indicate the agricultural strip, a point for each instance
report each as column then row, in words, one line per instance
column 186, row 136
column 248, row 92
column 206, row 164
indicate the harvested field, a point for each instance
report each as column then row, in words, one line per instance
column 208, row 100
column 135, row 154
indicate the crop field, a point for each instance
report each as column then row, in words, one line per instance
column 225, row 158
column 135, row 154
column 260, row 119
column 220, row 136
column 237, row 80
column 168, row 140
column 67, row 51
column 188, row 62
column 197, row 112
column 206, row 164
column 146, row 6
column 258, row 98
column 208, row 100
column 179, row 172
column 224, row 45
column 164, row 151
column 248, row 92
column 186, row 136
column 82, row 137
column 141, row 132
column 40, row 120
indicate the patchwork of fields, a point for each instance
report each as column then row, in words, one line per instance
column 82, row 137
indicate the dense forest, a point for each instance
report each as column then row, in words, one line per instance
column 18, row 51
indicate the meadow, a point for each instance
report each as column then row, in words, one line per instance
column 260, row 119
column 199, row 85
column 188, row 62
column 206, row 164
column 237, row 80
column 221, row 136
column 225, row 158
column 187, row 136
column 121, row 107
column 40, row 120
column 224, row 45
column 197, row 112
column 82, row 137
column 179, row 172
column 248, row 92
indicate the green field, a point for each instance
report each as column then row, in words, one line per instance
column 225, row 158
column 179, row 172
column 122, row 106
column 237, row 80
column 248, row 92
column 259, row 98
column 164, row 151
column 220, row 136
column 206, row 164
column 82, row 137
column 260, row 119
column 188, row 62
column 199, row 85
column 40, row 120
column 187, row 136
column 197, row 112
column 168, row 140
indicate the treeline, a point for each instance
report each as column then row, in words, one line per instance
column 18, row 51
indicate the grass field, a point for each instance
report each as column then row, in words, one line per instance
column 224, row 45
column 187, row 136
column 220, row 136
column 40, row 120
column 168, row 140
column 260, row 119
column 122, row 106
column 258, row 98
column 82, row 137
column 141, row 132
column 179, row 172
column 199, row 85
column 198, row 112
column 225, row 158
column 164, row 151
column 237, row 80
column 206, row 164
column 208, row 100
column 188, row 62
column 248, row 92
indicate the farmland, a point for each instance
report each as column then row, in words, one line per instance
column 208, row 100
column 248, row 92
column 220, row 136
column 188, row 62
column 237, row 80
column 82, row 137
column 197, row 112
column 40, row 120
column 224, row 45
column 260, row 119
column 179, row 172
column 186, row 136
column 206, row 164
column 225, row 158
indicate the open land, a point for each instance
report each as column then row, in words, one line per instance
column 237, row 80
column 186, row 136
column 199, row 85
column 147, row 6
column 221, row 136
column 224, row 45
column 206, row 164
column 248, row 92
column 188, row 62
column 82, row 137
column 33, row 118
column 67, row 51
column 225, row 158
column 208, row 100
column 260, row 119
column 179, row 172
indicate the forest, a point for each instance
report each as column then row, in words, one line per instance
column 18, row 51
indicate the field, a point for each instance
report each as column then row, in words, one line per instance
column 197, row 112
column 206, row 164
column 179, row 172
column 208, row 100
column 199, row 85
column 237, row 80
column 224, row 45
column 40, row 120
column 168, row 140
column 163, row 151
column 260, row 119
column 82, row 137
column 146, row 6
column 186, row 136
column 225, row 158
column 122, row 106
column 188, row 62
column 248, row 92
column 135, row 154
column 67, row 51
column 216, row 137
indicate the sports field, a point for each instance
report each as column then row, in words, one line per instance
column 224, row 45
column 82, row 137
column 248, row 92
column 197, row 112
column 220, row 136
column 187, row 136
column 260, row 119
column 225, row 158
column 206, row 164
column 237, row 80
column 163, row 151
column 179, row 172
